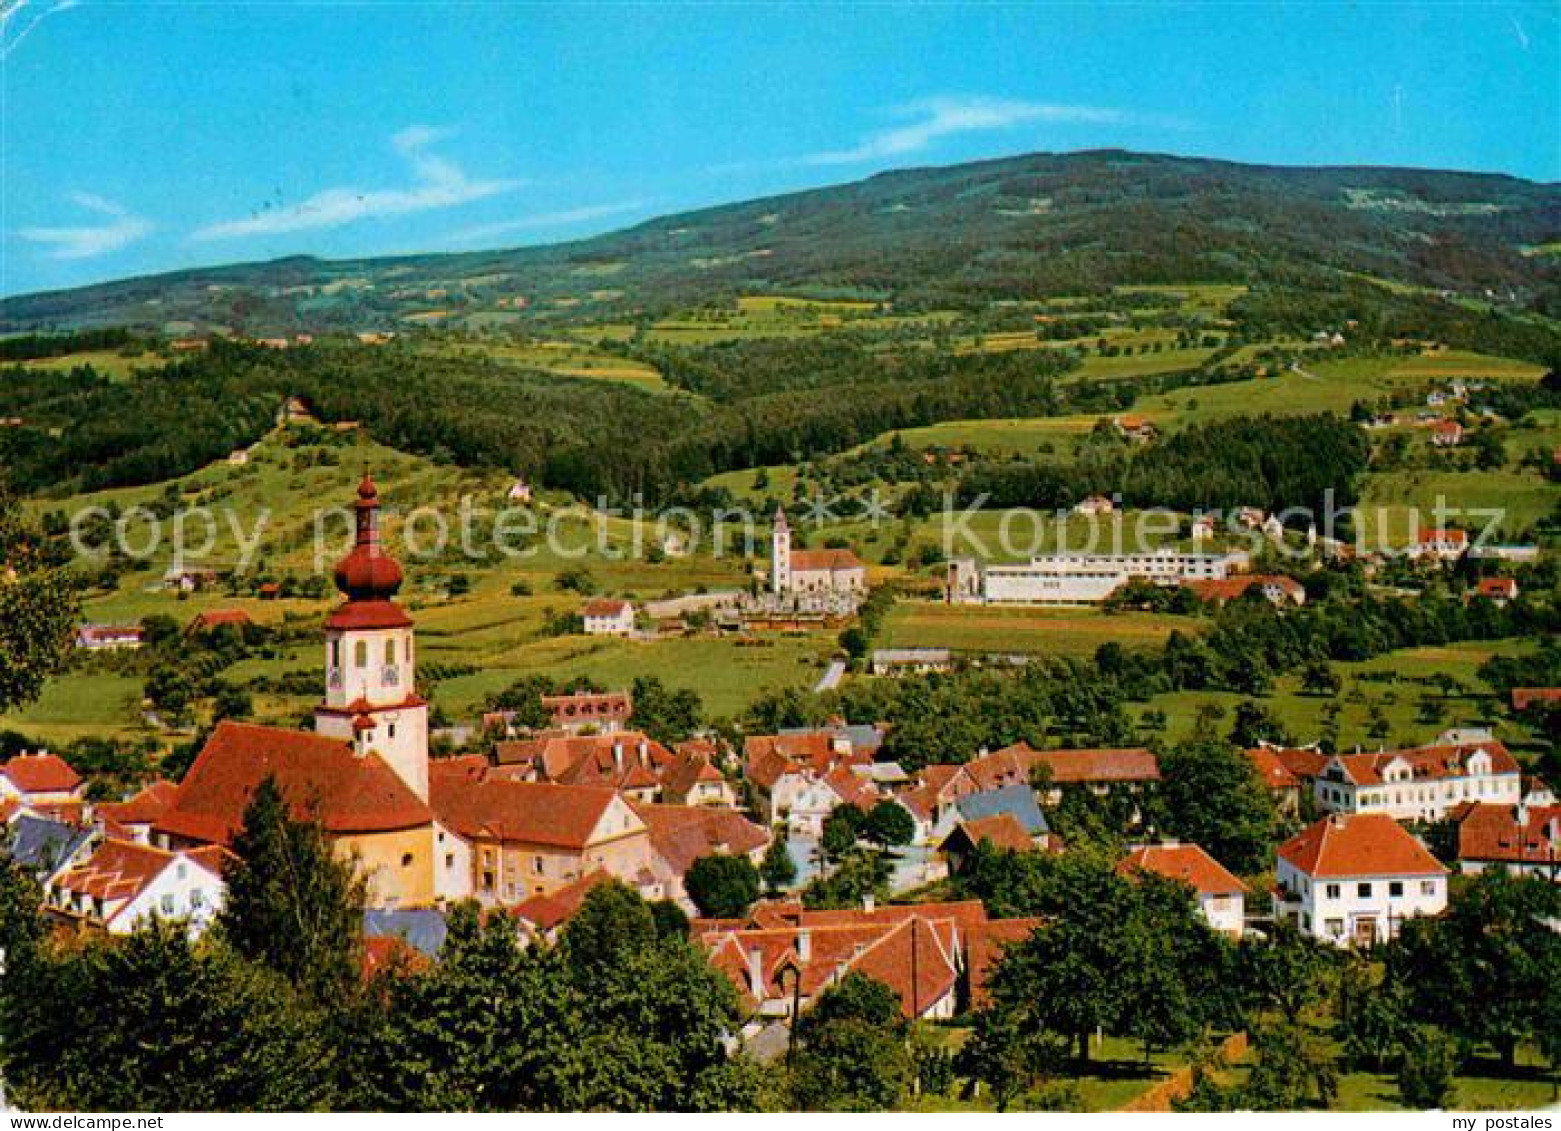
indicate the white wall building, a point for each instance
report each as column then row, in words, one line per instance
column 1082, row 579
column 608, row 618
column 1356, row 878
column 123, row 885
column 808, row 572
column 1422, row 784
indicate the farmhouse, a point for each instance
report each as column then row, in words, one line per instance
column 108, row 637
column 1422, row 784
column 1499, row 590
column 1446, row 433
column 1355, row 879
column 1138, row 429
column 1276, row 589
column 606, row 617
column 1446, row 545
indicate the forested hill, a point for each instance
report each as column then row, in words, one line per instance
column 962, row 236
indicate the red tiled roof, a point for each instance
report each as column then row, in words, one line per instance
column 1525, row 697
column 887, row 949
column 143, row 809
column 625, row 759
column 122, row 869
column 820, row 560
column 604, row 607
column 1229, row 588
column 320, row 777
column 40, row 773
column 768, row 757
column 1188, row 863
column 1492, row 833
column 1426, row 763
column 1358, row 844
column 546, row 912
column 682, row 834
column 1452, row 537
column 523, row 812
column 1013, row 764
column 1302, row 761
column 383, row 951
column 1271, row 768
column 1497, row 587
column 1001, row 830
column 984, row 947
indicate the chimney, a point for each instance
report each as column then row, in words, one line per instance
column 617, row 754
column 805, row 945
column 756, row 972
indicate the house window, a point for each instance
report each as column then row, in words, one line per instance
column 449, row 860
column 1363, row 890
column 1396, row 889
column 1334, row 927
column 1427, row 887
column 360, row 654
column 167, row 905
column 536, row 864
column 1333, row 891
column 406, row 859
column 390, row 652
column 392, row 730
column 197, row 899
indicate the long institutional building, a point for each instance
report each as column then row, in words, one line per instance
column 1082, row 579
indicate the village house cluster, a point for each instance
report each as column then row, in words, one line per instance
column 531, row 826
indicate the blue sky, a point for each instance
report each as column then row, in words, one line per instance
column 141, row 137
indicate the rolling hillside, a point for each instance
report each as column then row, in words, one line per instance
column 959, row 237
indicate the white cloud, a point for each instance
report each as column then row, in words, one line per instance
column 121, row 229
column 13, row 30
column 936, row 118
column 437, row 183
column 546, row 220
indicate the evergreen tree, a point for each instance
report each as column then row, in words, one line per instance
column 292, row 904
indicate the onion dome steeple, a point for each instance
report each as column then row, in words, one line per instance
column 367, row 573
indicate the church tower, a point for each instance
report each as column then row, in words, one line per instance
column 370, row 695
column 780, row 554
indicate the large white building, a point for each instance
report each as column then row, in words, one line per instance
column 1422, row 784
column 1356, row 878
column 1082, row 579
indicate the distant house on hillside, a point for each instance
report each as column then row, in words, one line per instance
column 108, row 637
column 1138, row 429
column 607, row 617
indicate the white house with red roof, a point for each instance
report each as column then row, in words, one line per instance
column 1356, row 878
column 123, row 885
column 41, row 779
column 1441, row 544
column 1221, row 896
column 607, row 616
column 1524, row 839
column 109, row 637
column 801, row 778
column 1420, row 784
